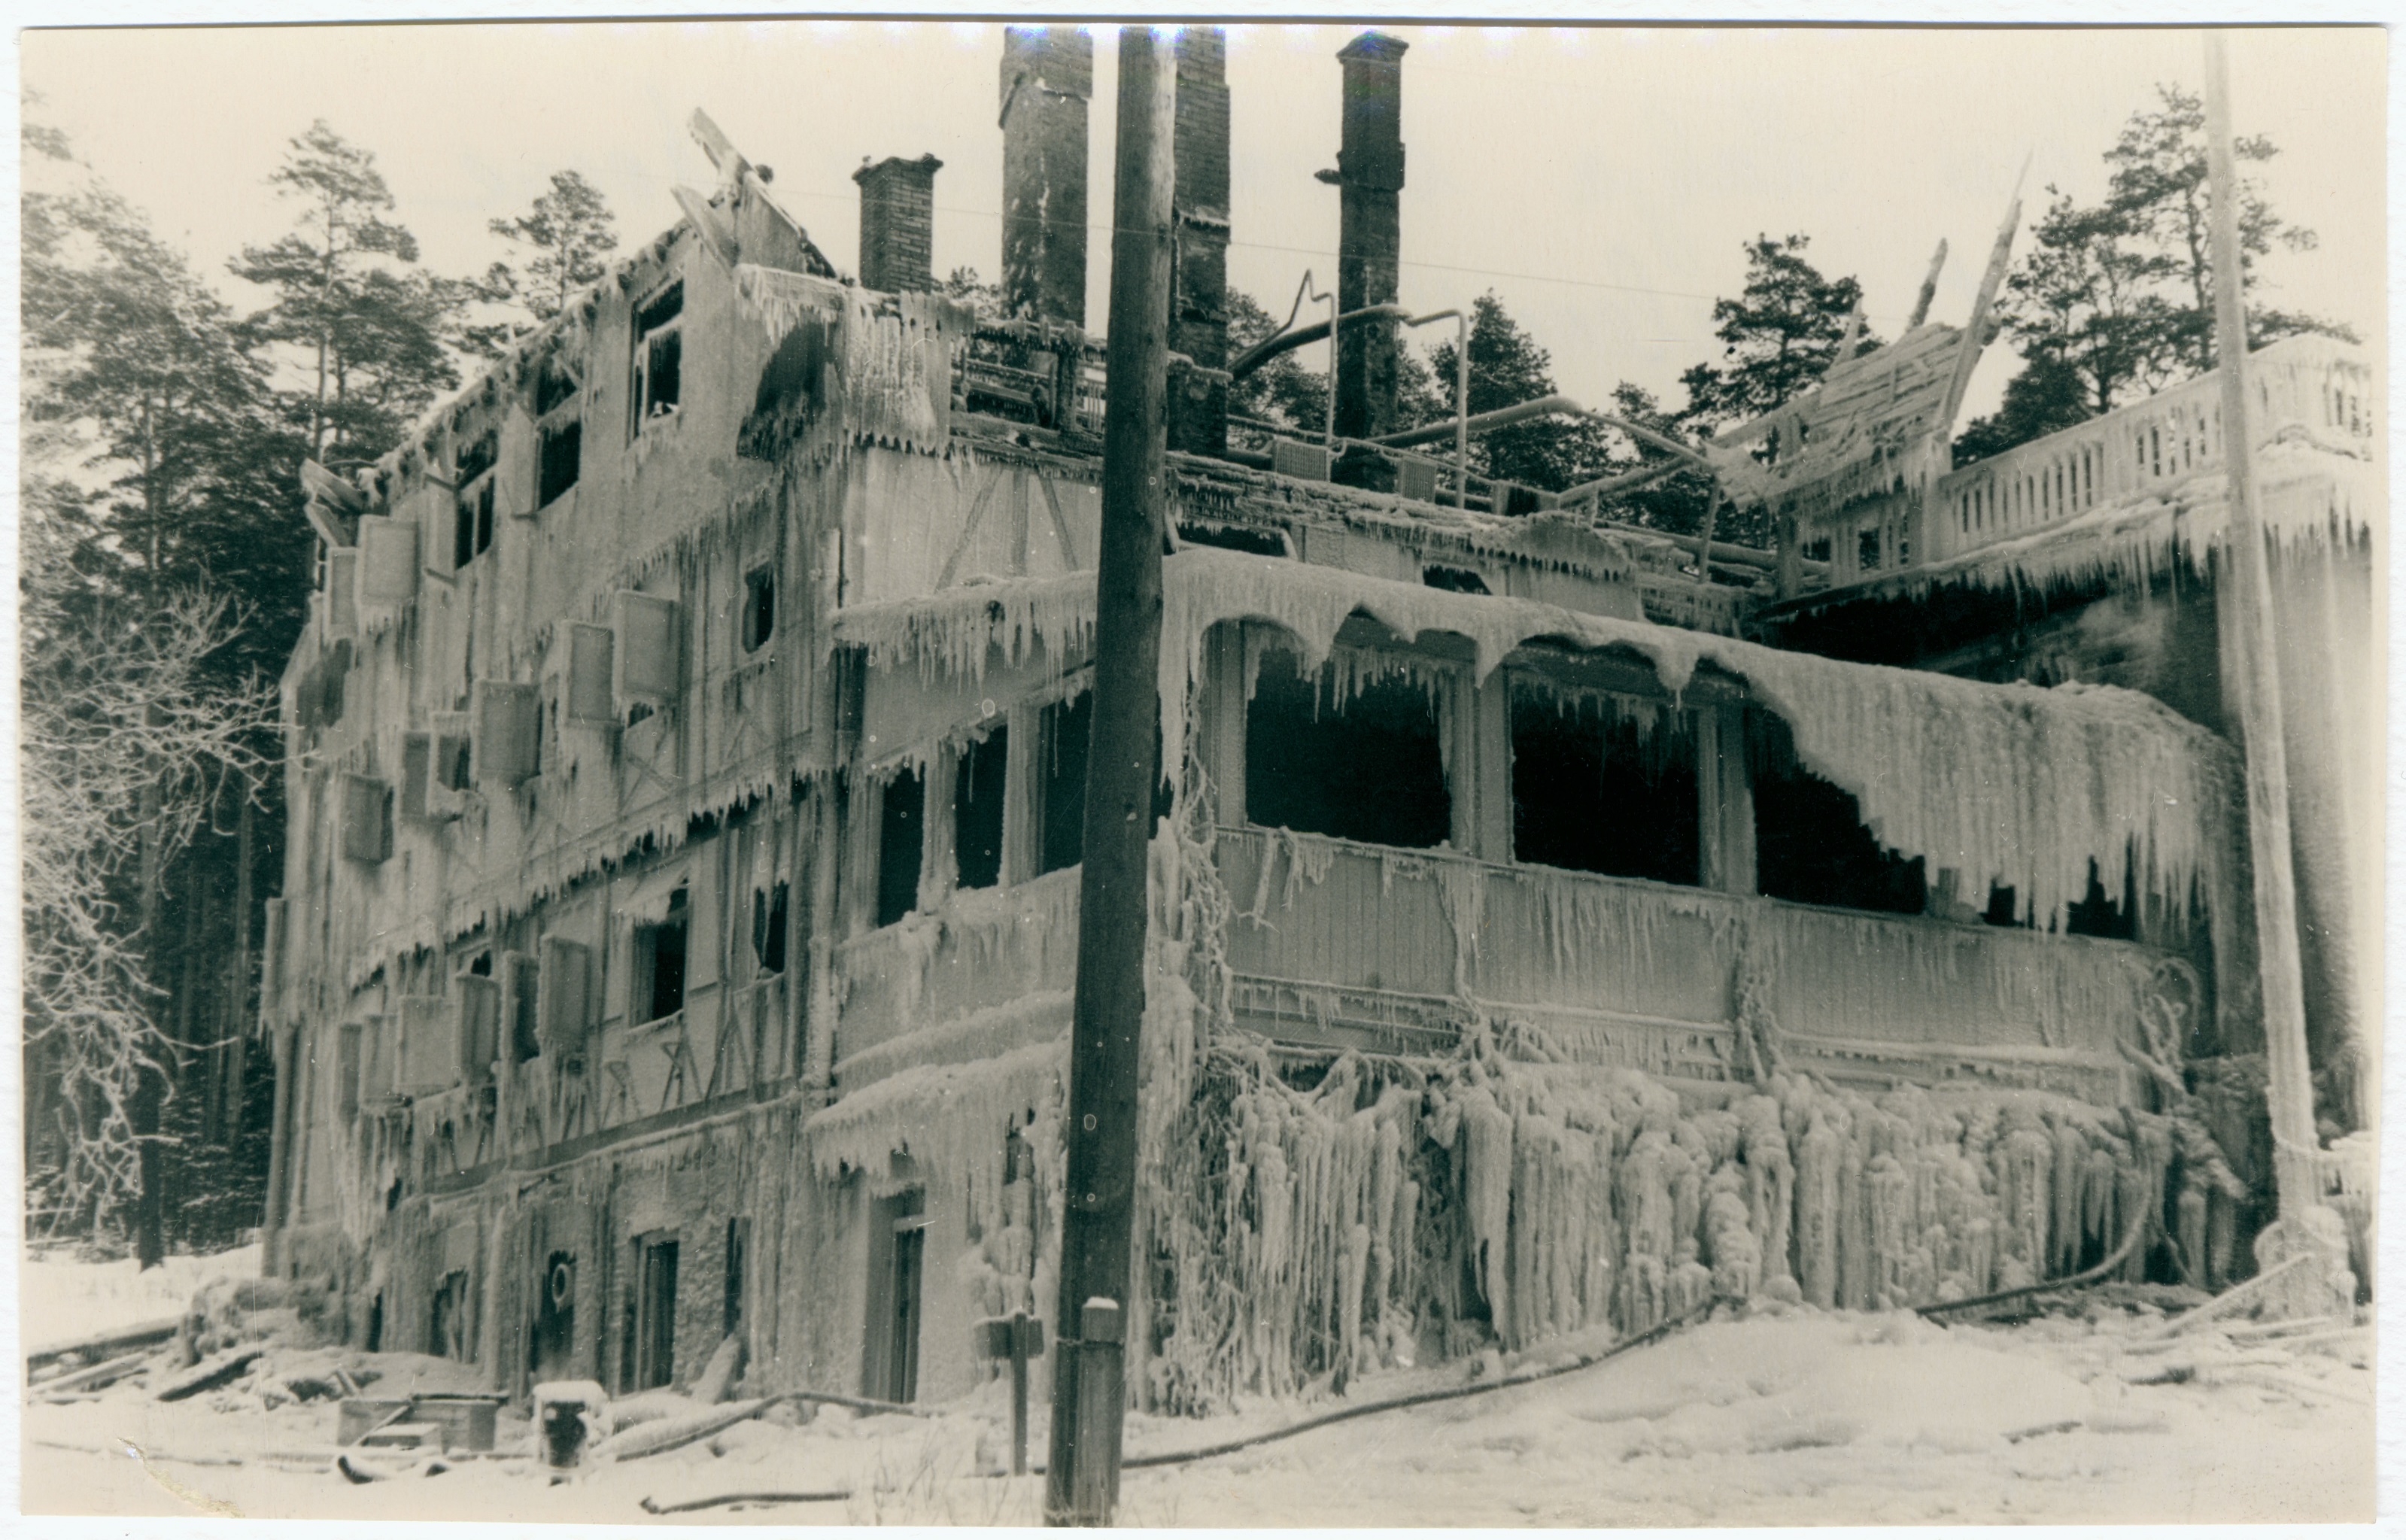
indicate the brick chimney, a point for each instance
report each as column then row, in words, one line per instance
column 897, row 223
column 1199, row 312
column 1047, row 75
column 1370, row 174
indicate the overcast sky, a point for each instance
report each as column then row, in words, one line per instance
column 1601, row 179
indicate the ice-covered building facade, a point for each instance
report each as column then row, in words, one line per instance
column 687, row 764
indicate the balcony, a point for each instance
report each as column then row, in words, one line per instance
column 2308, row 390
column 1339, row 945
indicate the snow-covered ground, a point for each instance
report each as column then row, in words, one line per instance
column 1786, row 1417
column 61, row 1300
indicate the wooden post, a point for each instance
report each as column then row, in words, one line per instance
column 1108, row 1012
column 1929, row 288
column 1101, row 1393
column 2304, row 1222
column 1018, row 1336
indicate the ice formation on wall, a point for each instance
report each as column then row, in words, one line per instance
column 1401, row 1208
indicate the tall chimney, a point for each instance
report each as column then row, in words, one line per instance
column 897, row 223
column 1048, row 74
column 1369, row 174
column 1199, row 307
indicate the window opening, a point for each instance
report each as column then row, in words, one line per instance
column 1456, row 580
column 472, row 534
column 1225, row 538
column 759, row 607
column 1063, row 730
column 561, row 460
column 448, row 1325
column 651, row 1316
column 1363, row 767
column 1604, row 783
column 900, row 844
column 1811, row 845
column 769, row 925
column 658, row 354
column 1867, row 549
column 739, row 1243
column 897, row 1264
column 662, row 958
column 978, row 793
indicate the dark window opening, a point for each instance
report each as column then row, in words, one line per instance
column 526, row 1034
column 1454, row 580
column 2004, row 908
column 447, row 1328
column 1593, row 790
column 658, row 354
column 1063, row 731
column 769, row 923
column 553, row 386
column 1818, row 549
column 551, row 1348
column 898, row 1257
column 472, row 530
column 475, row 459
column 978, row 796
column 1251, row 542
column 1810, row 843
column 375, row 1323
column 1366, row 769
column 650, row 1359
column 739, row 1244
column 563, row 459
column 482, row 967
column 663, row 948
column 2095, row 914
column 759, row 607
column 1867, row 550
column 900, row 843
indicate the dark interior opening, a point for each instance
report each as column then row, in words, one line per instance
column 562, row 459
column 1366, row 769
column 667, row 941
column 977, row 810
column 663, row 361
column 898, row 1264
column 759, row 607
column 1226, row 538
column 1456, row 580
column 1063, row 732
column 769, row 926
column 553, row 386
column 900, row 842
column 650, row 1362
column 2095, row 914
column 1593, row 790
column 1810, row 843
column 739, row 1243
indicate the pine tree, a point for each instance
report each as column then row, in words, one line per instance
column 2115, row 299
column 1779, row 337
column 570, row 231
column 1508, row 368
column 368, row 327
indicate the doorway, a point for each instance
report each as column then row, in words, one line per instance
column 898, row 1262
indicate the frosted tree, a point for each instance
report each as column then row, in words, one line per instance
column 125, row 742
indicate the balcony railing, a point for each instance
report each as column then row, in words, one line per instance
column 2309, row 388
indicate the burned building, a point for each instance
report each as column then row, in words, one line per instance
column 686, row 757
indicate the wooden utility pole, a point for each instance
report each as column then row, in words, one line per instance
column 1081, row 1481
column 2249, row 635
